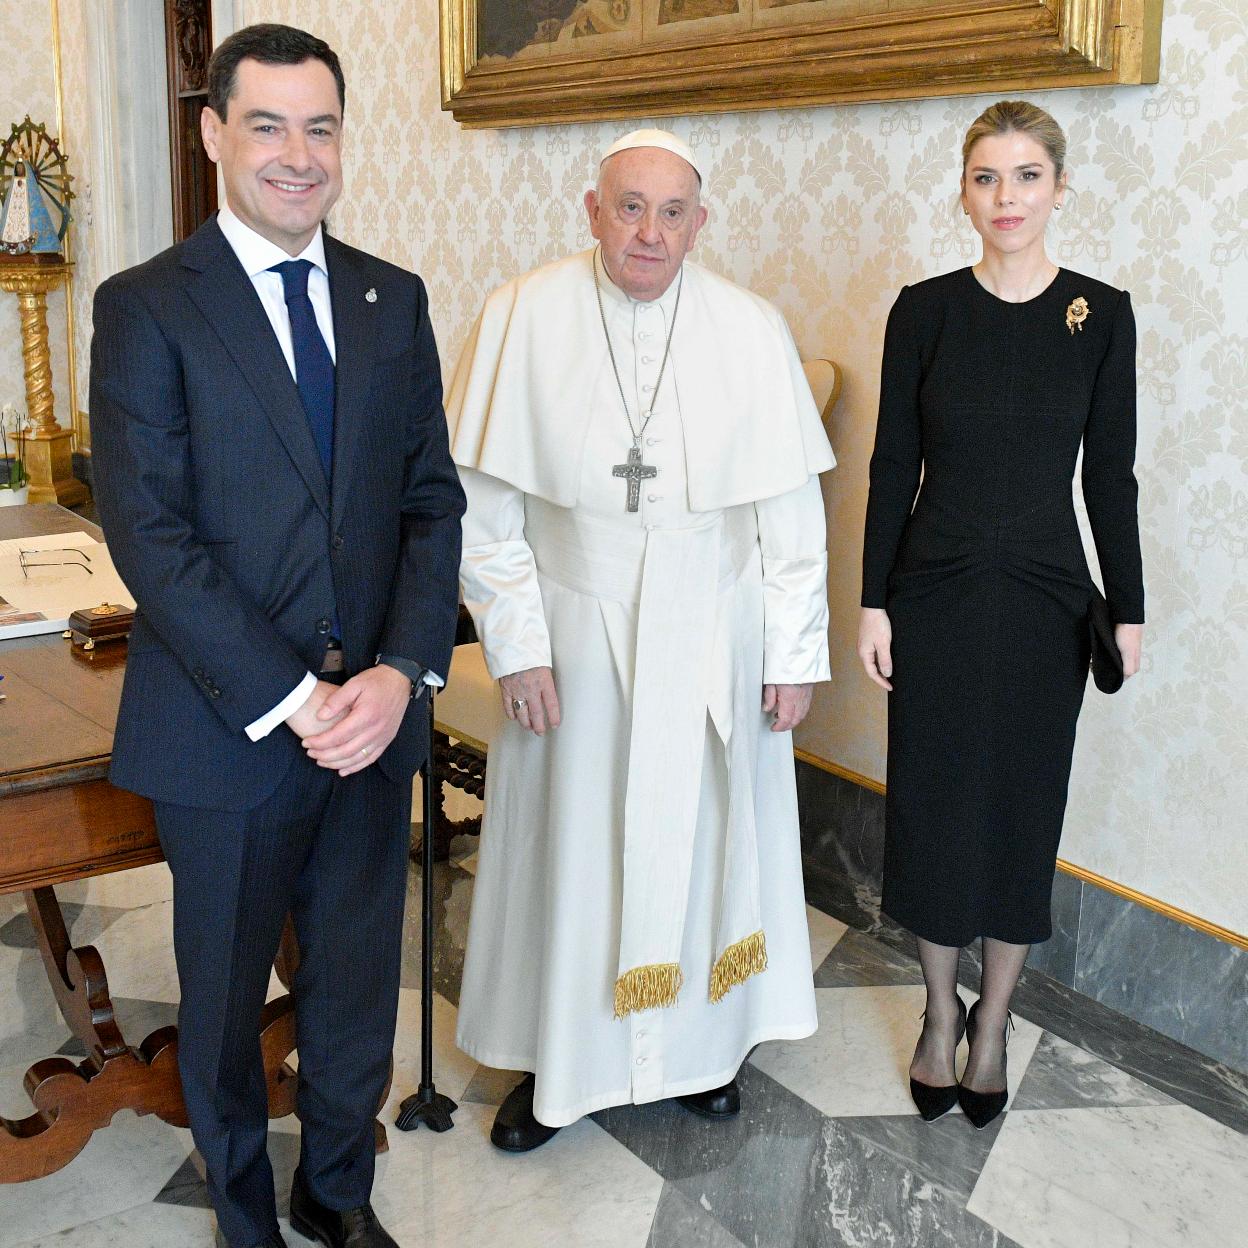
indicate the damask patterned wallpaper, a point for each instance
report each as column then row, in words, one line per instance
column 828, row 212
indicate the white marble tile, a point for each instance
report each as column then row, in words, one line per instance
column 825, row 931
column 145, row 1226
column 457, row 1191
column 121, row 1167
column 452, row 1069
column 1158, row 1176
column 858, row 1060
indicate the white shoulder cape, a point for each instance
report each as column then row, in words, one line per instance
column 518, row 403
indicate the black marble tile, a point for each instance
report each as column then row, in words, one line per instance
column 1182, row 982
column 1164, row 1064
column 490, row 1086
column 861, row 1193
column 842, row 825
column 751, row 1173
column 1061, row 1075
column 861, row 961
column 948, row 1153
column 452, row 898
column 186, row 1186
column 136, row 1017
column 1056, row 957
column 681, row 1223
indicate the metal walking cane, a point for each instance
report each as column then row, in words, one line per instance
column 427, row 1104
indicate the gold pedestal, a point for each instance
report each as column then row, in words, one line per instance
column 50, row 467
column 48, row 461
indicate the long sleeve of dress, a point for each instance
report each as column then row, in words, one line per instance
column 499, row 577
column 792, row 533
column 898, row 456
column 1109, row 485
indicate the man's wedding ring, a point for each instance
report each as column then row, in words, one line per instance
column 363, row 749
column 518, row 704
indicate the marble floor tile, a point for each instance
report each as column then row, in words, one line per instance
column 863, row 1195
column 681, row 1221
column 84, row 921
column 825, row 934
column 857, row 1063
column 750, row 1173
column 453, row 1070
column 1063, row 1076
column 121, row 1167
column 861, row 961
column 490, row 1086
column 456, row 1191
column 144, row 1226
column 947, row 1154
column 452, row 903
column 1162, row 1176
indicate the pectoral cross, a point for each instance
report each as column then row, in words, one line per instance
column 634, row 472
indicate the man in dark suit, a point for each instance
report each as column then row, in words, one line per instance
column 273, row 478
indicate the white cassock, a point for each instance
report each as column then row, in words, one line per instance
column 638, row 920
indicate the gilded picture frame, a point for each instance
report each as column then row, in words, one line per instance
column 529, row 62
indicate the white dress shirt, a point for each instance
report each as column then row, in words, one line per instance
column 257, row 256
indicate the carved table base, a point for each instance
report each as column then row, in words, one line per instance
column 74, row 1099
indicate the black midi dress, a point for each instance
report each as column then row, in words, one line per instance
column 982, row 571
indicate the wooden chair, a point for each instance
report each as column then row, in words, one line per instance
column 465, row 713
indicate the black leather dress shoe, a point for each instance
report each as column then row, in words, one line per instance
column 722, row 1102
column 515, row 1129
column 350, row 1228
column 273, row 1241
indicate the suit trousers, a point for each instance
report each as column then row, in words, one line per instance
column 332, row 852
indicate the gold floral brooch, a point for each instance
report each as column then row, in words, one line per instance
column 1076, row 314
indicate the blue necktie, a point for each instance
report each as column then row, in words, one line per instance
column 314, row 366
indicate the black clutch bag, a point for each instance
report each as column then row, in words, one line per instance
column 1106, row 657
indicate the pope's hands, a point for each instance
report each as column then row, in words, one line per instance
column 787, row 704
column 357, row 720
column 875, row 645
column 1130, row 641
column 534, row 690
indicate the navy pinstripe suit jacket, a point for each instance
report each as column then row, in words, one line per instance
column 222, row 524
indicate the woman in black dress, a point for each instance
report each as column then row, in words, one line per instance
column 976, row 594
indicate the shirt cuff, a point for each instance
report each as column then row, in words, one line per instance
column 413, row 671
column 260, row 728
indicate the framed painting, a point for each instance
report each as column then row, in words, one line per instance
column 527, row 62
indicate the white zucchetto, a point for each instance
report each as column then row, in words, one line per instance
column 657, row 138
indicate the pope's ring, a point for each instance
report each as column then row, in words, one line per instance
column 518, row 704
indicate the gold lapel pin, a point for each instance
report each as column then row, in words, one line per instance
column 371, row 295
column 1076, row 314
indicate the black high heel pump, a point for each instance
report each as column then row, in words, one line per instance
column 932, row 1102
column 982, row 1107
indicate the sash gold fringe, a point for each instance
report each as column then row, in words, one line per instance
column 737, row 963
column 648, row 988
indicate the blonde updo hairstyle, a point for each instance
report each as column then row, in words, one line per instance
column 1018, row 117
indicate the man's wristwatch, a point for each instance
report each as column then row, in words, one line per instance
column 413, row 671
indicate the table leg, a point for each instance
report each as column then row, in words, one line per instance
column 72, row 1099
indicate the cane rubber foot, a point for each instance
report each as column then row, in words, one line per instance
column 428, row 1106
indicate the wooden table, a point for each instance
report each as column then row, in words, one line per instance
column 61, row 820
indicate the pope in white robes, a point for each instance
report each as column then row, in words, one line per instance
column 645, row 561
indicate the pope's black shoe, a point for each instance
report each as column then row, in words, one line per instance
column 350, row 1228
column 722, row 1102
column 515, row 1129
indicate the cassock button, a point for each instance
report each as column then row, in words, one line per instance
column 641, row 1061
column 647, row 359
column 652, row 498
column 652, row 441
